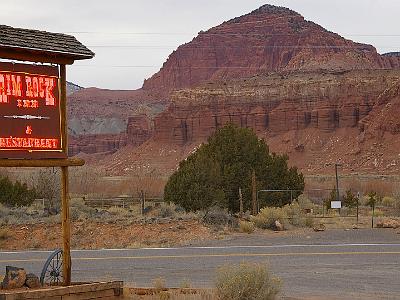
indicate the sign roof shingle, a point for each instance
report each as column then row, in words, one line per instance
column 42, row 41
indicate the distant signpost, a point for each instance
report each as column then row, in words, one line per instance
column 336, row 204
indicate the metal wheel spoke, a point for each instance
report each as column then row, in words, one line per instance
column 52, row 270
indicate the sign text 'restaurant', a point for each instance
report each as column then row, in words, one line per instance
column 30, row 118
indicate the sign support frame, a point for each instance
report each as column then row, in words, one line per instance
column 66, row 222
column 37, row 51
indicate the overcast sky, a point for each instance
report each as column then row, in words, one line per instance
column 142, row 33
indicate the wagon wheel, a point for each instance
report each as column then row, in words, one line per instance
column 52, row 272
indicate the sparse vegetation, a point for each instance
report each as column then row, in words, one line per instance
column 297, row 216
column 216, row 216
column 3, row 234
column 389, row 202
column 167, row 210
column 246, row 227
column 185, row 284
column 247, row 281
column 292, row 214
column 159, row 283
column 267, row 217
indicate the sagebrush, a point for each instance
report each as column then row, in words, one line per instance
column 246, row 281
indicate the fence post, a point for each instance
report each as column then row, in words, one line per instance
column 240, row 202
column 373, row 213
column 358, row 200
column 254, row 193
column 142, row 201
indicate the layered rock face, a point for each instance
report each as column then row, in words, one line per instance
column 275, row 104
column 392, row 60
column 96, row 143
column 138, row 130
column 102, row 121
column 269, row 39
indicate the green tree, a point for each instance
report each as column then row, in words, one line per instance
column 373, row 199
column 15, row 194
column 197, row 185
column 213, row 174
column 332, row 197
column 350, row 200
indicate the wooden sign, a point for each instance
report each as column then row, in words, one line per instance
column 30, row 112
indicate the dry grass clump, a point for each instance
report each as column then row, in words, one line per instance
column 219, row 217
column 297, row 216
column 119, row 212
column 3, row 234
column 159, row 283
column 293, row 214
column 246, row 227
column 167, row 210
column 267, row 217
column 80, row 211
column 247, row 281
column 377, row 213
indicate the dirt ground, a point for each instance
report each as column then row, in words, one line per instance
column 92, row 235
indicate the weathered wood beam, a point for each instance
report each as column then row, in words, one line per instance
column 41, row 163
column 35, row 57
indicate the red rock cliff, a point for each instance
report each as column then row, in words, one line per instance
column 267, row 39
column 275, row 104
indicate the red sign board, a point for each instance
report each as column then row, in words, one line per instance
column 30, row 115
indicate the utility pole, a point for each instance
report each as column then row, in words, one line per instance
column 254, row 192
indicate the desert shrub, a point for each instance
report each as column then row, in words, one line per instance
column 185, row 284
column 246, row 281
column 3, row 234
column 377, row 213
column 296, row 215
column 159, row 283
column 118, row 212
column 217, row 216
column 15, row 194
column 246, row 227
column 48, row 187
column 166, row 210
column 4, row 211
column 79, row 210
column 267, row 217
column 305, row 202
column 389, row 201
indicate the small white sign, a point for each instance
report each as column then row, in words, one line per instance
column 336, row 204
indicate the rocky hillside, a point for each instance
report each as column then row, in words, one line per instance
column 309, row 92
column 315, row 117
column 268, row 39
column 275, row 103
column 72, row 88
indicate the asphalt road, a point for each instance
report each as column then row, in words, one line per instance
column 356, row 264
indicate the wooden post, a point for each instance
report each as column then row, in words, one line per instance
column 240, row 202
column 66, row 227
column 142, row 201
column 254, row 192
column 66, row 223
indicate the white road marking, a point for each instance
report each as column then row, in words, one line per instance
column 215, row 248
